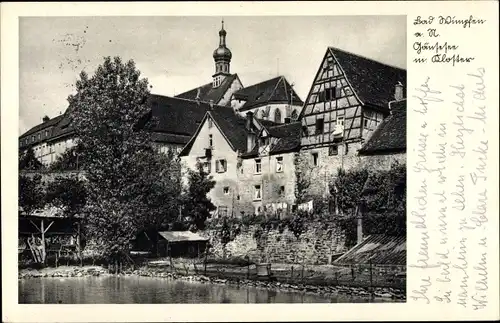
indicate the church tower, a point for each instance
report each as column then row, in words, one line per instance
column 222, row 57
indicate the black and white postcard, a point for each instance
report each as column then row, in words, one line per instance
column 311, row 161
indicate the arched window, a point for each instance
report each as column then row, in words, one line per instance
column 294, row 115
column 277, row 115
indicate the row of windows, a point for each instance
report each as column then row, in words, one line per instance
column 277, row 115
column 221, row 166
column 217, row 81
column 257, row 192
column 320, row 124
column 279, row 165
column 333, row 150
column 35, row 137
column 223, row 68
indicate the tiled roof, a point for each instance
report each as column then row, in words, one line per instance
column 373, row 82
column 267, row 123
column 380, row 248
column 176, row 116
column 177, row 119
column 50, row 126
column 230, row 124
column 288, row 139
column 390, row 136
column 50, row 123
column 232, row 127
column 208, row 92
column 275, row 90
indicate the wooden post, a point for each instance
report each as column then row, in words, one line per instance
column 205, row 260
column 371, row 276
column 79, row 241
column 42, row 229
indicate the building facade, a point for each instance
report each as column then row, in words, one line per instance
column 348, row 100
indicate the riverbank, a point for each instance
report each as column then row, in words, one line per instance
column 308, row 288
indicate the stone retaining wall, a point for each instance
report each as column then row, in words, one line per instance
column 316, row 245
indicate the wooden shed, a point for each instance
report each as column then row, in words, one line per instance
column 181, row 244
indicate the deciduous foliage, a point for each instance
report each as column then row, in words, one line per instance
column 380, row 197
column 69, row 160
column 346, row 189
column 128, row 184
column 196, row 205
column 67, row 194
column 28, row 161
column 31, row 194
column 302, row 178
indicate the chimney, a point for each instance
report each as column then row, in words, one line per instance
column 249, row 121
column 250, row 134
column 398, row 92
column 287, row 120
column 45, row 118
column 211, row 104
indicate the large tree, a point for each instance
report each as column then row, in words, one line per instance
column 196, row 204
column 125, row 177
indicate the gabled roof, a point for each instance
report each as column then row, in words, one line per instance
column 230, row 124
column 373, row 82
column 390, row 136
column 50, row 123
column 208, row 92
column 177, row 119
column 176, row 116
column 288, row 136
column 275, row 90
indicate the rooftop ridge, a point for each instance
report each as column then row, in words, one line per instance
column 364, row 57
column 190, row 100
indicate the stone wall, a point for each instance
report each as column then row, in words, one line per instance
column 382, row 162
column 322, row 174
column 316, row 245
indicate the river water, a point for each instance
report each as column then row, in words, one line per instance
column 147, row 290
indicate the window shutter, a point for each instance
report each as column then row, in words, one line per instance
column 217, row 166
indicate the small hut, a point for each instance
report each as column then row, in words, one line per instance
column 181, row 244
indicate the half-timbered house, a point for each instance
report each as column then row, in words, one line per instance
column 348, row 100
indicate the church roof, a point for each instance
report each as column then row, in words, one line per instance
column 390, row 136
column 208, row 92
column 275, row 90
column 372, row 81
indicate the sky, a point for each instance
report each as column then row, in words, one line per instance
column 175, row 53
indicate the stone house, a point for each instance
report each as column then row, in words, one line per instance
column 178, row 117
column 251, row 161
column 348, row 100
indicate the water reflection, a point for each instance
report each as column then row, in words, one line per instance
column 147, row 290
